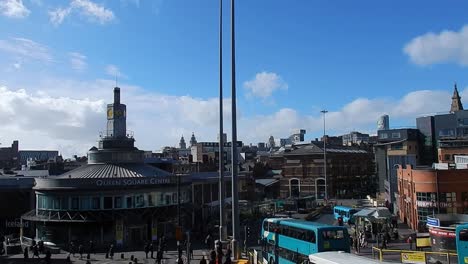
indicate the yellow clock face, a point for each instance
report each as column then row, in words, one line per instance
column 110, row 113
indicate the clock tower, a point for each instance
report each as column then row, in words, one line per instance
column 116, row 117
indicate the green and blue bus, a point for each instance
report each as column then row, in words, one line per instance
column 462, row 243
column 291, row 241
column 346, row 213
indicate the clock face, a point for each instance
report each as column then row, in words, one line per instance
column 110, row 113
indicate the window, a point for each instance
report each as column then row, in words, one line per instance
column 107, row 202
column 129, row 202
column 84, row 203
column 64, row 203
column 75, row 203
column 396, row 135
column 150, row 200
column 446, row 132
column 139, row 200
column 463, row 235
column 117, row 202
column 332, row 234
column 398, row 146
column 383, row 136
column 96, row 203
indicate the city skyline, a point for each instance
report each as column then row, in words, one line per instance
column 60, row 59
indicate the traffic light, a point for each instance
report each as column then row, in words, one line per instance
column 340, row 221
column 248, row 232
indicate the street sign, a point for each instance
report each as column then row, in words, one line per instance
column 435, row 222
column 413, row 257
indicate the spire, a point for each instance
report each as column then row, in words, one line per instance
column 456, row 101
column 193, row 140
column 182, row 144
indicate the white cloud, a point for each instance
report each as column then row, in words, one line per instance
column 57, row 16
column 26, row 49
column 114, row 71
column 77, row 61
column 264, row 84
column 13, row 8
column 444, row 47
column 86, row 8
column 67, row 115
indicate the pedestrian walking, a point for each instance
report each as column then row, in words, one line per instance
column 36, row 251
column 147, row 249
column 26, row 253
column 41, row 246
column 80, row 251
column 72, row 249
column 228, row 257
column 151, row 248
column 91, row 247
column 111, row 251
column 48, row 257
column 410, row 242
column 212, row 257
column 203, row 260
column 164, row 243
column 159, row 256
column 208, row 241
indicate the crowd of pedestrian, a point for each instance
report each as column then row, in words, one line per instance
column 37, row 248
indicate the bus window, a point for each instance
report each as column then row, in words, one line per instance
column 463, row 235
column 265, row 225
column 333, row 234
column 311, row 236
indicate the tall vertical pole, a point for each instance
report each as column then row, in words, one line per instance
column 178, row 215
column 325, row 155
column 221, row 139
column 235, row 194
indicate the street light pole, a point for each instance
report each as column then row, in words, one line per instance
column 234, row 181
column 325, row 155
column 221, row 139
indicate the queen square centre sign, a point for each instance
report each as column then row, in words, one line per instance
column 132, row 182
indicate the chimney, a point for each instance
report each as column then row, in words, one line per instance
column 116, row 96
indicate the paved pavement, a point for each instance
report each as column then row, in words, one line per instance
column 100, row 258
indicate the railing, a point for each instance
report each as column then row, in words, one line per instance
column 408, row 256
column 104, row 133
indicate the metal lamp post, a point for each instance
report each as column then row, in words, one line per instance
column 325, row 155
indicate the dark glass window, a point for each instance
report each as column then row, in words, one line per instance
column 96, row 203
column 64, row 203
column 75, row 203
column 129, row 202
column 464, row 235
column 107, row 202
column 117, row 202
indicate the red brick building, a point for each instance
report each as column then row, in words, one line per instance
column 426, row 191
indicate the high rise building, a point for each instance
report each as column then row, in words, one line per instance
column 383, row 123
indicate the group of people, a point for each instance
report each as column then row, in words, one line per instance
column 81, row 250
column 161, row 247
column 36, row 249
column 216, row 254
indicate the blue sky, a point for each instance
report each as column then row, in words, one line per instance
column 358, row 59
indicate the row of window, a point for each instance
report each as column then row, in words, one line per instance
column 284, row 253
column 390, row 135
column 110, row 202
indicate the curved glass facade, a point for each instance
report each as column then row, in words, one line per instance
column 86, row 202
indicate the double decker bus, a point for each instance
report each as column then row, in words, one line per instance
column 346, row 213
column 291, row 241
column 462, row 243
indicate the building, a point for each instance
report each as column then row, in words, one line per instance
column 9, row 157
column 350, row 171
column 36, row 155
column 355, row 138
column 395, row 147
column 383, row 123
column 208, row 152
column 456, row 101
column 296, row 137
column 425, row 192
column 425, row 125
column 115, row 197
